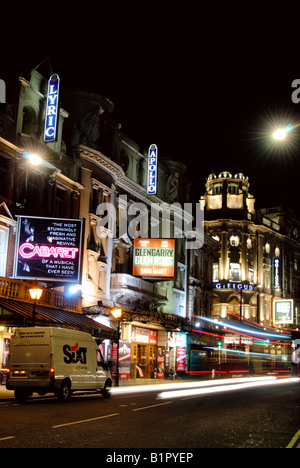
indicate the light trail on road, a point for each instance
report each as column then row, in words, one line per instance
column 185, row 385
column 260, row 382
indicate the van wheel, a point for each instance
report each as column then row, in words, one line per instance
column 106, row 390
column 64, row 393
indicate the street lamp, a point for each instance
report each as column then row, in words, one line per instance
column 281, row 133
column 33, row 158
column 116, row 312
column 35, row 294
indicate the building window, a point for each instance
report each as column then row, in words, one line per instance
column 235, row 272
column 251, row 274
column 29, row 124
column 62, row 203
column 296, row 264
column 233, row 189
column 217, row 189
column 267, row 277
column 4, row 177
column 234, row 241
column 215, row 272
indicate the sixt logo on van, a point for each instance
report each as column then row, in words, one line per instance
column 74, row 354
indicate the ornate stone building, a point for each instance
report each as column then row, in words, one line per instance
column 92, row 165
column 113, row 172
column 255, row 269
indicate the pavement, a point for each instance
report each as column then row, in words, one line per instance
column 6, row 395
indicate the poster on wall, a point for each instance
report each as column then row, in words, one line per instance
column 124, row 360
column 180, row 359
column 154, row 258
column 144, row 335
column 283, row 311
column 114, row 358
column 160, row 362
column 48, row 249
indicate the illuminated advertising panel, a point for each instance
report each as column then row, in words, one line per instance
column 154, row 257
column 48, row 249
column 152, row 170
column 180, row 359
column 283, row 311
column 52, row 109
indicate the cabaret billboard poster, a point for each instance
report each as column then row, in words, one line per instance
column 48, row 249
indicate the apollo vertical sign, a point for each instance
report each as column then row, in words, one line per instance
column 51, row 118
column 152, row 170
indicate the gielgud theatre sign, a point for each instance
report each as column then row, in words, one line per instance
column 48, row 249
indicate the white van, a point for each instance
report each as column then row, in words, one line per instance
column 55, row 360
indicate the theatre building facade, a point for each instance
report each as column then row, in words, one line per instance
column 135, row 239
column 91, row 176
column 97, row 223
column 256, row 276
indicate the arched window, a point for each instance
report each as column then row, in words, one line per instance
column 29, row 124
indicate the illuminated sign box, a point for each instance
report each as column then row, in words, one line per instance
column 154, row 258
column 52, row 108
column 48, row 249
column 283, row 311
column 152, row 170
column 239, row 286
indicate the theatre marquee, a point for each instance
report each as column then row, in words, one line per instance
column 48, row 249
column 154, row 258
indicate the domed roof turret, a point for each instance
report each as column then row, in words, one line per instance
column 241, row 176
column 225, row 175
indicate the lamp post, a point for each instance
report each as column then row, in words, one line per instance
column 35, row 294
column 116, row 312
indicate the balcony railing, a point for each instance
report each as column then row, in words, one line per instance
column 19, row 291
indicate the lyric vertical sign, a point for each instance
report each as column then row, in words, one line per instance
column 152, row 170
column 48, row 249
column 51, row 118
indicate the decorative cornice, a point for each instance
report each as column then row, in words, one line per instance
column 96, row 157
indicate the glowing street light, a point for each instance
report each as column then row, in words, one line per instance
column 281, row 133
column 35, row 294
column 33, row 158
column 117, row 312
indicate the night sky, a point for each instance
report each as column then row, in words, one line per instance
column 204, row 86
